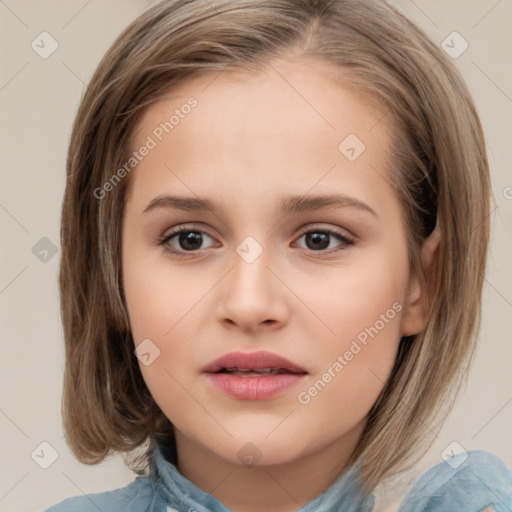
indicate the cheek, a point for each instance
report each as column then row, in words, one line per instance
column 165, row 307
column 352, row 370
column 159, row 297
column 161, row 309
column 365, row 295
column 361, row 310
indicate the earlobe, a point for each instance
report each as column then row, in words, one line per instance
column 421, row 287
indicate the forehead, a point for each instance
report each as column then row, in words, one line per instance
column 293, row 126
column 314, row 93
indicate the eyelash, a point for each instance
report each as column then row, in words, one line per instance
column 166, row 238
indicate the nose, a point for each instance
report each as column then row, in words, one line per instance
column 253, row 296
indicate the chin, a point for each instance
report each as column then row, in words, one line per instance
column 260, row 451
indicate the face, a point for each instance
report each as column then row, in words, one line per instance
column 286, row 238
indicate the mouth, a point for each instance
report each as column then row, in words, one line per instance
column 254, row 372
column 254, row 375
column 253, row 364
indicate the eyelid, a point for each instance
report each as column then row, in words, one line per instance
column 182, row 228
column 348, row 240
column 343, row 232
column 318, row 226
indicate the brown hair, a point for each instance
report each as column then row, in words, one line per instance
column 440, row 173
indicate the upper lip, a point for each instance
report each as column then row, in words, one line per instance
column 252, row 361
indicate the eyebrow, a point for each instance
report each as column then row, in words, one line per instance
column 289, row 204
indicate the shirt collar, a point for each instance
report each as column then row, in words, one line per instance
column 179, row 493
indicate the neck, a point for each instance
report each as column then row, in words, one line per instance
column 283, row 487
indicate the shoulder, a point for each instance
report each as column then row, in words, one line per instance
column 467, row 482
column 136, row 496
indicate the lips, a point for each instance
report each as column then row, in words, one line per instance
column 260, row 364
column 254, row 375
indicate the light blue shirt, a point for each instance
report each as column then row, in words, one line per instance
column 465, row 485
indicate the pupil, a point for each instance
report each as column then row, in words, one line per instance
column 317, row 238
column 190, row 241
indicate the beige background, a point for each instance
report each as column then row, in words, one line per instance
column 39, row 98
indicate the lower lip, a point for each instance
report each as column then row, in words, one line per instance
column 254, row 388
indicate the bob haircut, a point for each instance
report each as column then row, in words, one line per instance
column 439, row 172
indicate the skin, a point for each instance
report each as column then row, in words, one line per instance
column 251, row 139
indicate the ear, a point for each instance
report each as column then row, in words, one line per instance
column 417, row 307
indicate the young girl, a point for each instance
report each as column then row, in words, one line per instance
column 218, row 143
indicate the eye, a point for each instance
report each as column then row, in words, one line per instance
column 187, row 241
column 319, row 239
column 184, row 240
